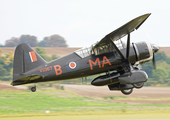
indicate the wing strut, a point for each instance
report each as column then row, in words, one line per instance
column 128, row 46
column 117, row 49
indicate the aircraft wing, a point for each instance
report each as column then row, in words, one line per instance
column 123, row 30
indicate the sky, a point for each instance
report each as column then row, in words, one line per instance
column 84, row 22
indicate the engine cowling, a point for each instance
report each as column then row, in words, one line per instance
column 144, row 52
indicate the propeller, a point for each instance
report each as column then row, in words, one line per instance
column 155, row 49
column 153, row 61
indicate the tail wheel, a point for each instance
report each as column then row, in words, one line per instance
column 127, row 91
column 33, row 89
column 138, row 85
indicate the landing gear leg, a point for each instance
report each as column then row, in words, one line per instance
column 33, row 89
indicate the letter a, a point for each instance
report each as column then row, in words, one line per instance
column 107, row 61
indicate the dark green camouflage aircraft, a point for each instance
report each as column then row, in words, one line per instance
column 110, row 55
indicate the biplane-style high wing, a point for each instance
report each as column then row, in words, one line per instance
column 123, row 31
column 119, row 62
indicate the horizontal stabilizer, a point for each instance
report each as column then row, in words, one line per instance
column 26, row 79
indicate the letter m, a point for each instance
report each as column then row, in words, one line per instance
column 94, row 63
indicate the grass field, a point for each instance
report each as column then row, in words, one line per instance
column 137, row 116
column 19, row 102
column 64, row 105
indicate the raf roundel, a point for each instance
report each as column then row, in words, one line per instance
column 72, row 65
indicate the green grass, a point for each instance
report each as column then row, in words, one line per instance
column 28, row 102
column 133, row 98
column 136, row 116
column 64, row 102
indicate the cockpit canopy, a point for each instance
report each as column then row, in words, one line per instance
column 104, row 48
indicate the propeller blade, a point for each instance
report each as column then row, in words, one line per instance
column 154, row 62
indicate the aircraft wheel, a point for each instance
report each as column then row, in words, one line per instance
column 138, row 85
column 127, row 91
column 33, row 89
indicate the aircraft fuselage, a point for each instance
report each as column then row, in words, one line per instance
column 73, row 66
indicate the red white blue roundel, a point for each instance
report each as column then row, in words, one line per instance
column 72, row 65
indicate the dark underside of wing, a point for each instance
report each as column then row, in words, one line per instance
column 123, row 30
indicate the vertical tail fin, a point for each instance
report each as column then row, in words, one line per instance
column 25, row 59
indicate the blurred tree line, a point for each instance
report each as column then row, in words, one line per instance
column 52, row 41
column 6, row 62
column 160, row 76
column 6, row 66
